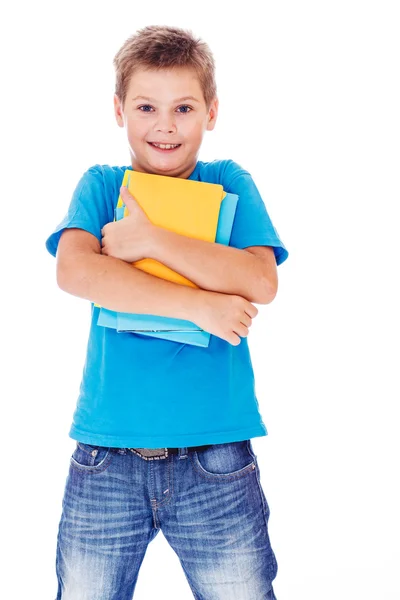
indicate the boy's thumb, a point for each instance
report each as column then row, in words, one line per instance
column 126, row 196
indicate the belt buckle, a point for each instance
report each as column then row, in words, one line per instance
column 151, row 453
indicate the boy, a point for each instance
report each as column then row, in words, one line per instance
column 142, row 399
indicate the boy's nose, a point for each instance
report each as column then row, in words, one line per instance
column 166, row 125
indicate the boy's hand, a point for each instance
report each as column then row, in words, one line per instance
column 224, row 315
column 130, row 237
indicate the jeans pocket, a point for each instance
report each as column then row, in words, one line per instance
column 224, row 461
column 90, row 458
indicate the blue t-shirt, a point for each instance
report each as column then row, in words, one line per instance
column 145, row 392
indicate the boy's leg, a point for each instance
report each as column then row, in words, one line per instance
column 106, row 525
column 217, row 524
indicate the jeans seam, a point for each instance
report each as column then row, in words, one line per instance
column 266, row 523
column 222, row 476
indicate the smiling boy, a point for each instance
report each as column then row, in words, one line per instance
column 167, row 121
column 165, row 107
column 163, row 429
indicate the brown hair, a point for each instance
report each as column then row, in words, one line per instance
column 162, row 47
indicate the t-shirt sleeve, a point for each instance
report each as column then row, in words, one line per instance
column 87, row 210
column 252, row 225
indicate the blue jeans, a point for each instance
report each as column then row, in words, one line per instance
column 208, row 503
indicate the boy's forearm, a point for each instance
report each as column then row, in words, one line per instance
column 118, row 286
column 211, row 266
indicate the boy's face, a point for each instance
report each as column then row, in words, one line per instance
column 157, row 110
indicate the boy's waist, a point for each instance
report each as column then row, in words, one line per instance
column 160, row 453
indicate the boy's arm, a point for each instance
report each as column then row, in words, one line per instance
column 110, row 282
column 251, row 274
column 211, row 266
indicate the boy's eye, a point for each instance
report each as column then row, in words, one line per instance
column 185, row 106
column 145, row 106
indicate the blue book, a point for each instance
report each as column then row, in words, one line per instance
column 169, row 328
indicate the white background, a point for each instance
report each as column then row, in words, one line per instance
column 309, row 104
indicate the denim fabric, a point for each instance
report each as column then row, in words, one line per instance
column 208, row 503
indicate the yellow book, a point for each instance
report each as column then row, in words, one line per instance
column 184, row 206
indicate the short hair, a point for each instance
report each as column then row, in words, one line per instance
column 161, row 47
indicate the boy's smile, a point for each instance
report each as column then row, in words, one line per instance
column 165, row 117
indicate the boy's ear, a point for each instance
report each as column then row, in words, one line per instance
column 118, row 111
column 212, row 114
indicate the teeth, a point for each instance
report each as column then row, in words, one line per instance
column 165, row 146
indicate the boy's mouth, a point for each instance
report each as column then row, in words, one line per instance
column 165, row 148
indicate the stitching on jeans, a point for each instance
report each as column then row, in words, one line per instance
column 166, row 501
column 221, row 476
column 102, row 466
column 266, row 525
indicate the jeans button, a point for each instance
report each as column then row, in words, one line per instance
column 94, row 452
